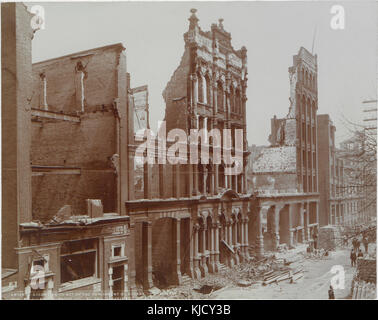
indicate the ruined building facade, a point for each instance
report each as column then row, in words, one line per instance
column 196, row 217
column 67, row 168
column 285, row 174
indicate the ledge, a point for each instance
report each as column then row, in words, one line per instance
column 71, row 285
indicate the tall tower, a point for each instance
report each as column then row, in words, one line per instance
column 208, row 91
column 303, row 109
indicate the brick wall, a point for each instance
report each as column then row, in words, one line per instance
column 99, row 83
column 290, row 132
column 176, row 88
column 366, row 270
column 87, row 145
column 323, row 137
column 276, row 181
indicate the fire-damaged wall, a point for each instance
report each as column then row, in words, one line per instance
column 175, row 94
column 87, row 146
column 80, row 159
column 275, row 168
column 61, row 74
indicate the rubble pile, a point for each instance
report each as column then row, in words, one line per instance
column 272, row 268
column 329, row 238
column 365, row 279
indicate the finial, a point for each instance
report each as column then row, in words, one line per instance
column 193, row 18
column 221, row 23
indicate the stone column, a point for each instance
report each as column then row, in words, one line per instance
column 27, row 292
column 110, row 282
column 292, row 213
column 212, row 180
column 203, row 265
column 50, row 288
column 260, row 236
column 301, row 213
column 189, row 175
column 231, row 262
column 147, row 254
column 125, row 280
column 244, row 177
column 190, row 267
column 215, row 97
column 236, row 232
column 196, row 177
column 308, row 229
column 177, row 255
column 205, row 177
column 217, row 226
column 242, row 238
column 276, row 230
column 246, row 237
column 317, row 211
column 212, row 248
column 216, row 178
column 195, row 92
column 197, row 272
column 132, row 272
column 225, row 232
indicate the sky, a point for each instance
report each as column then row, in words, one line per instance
column 272, row 32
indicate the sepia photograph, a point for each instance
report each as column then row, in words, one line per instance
column 176, row 150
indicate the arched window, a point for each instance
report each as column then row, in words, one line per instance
column 303, row 106
column 220, row 100
column 200, row 87
column 232, row 99
column 238, row 101
column 207, row 91
column 306, row 78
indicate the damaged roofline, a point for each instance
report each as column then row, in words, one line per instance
column 84, row 53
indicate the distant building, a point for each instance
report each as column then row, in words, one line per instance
column 356, row 178
column 285, row 174
column 339, row 200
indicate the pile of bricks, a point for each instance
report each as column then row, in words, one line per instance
column 365, row 279
column 366, row 270
column 363, row 290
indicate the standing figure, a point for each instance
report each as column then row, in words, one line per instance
column 366, row 244
column 331, row 293
column 353, row 258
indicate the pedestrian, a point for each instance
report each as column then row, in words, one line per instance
column 360, row 254
column 358, row 243
column 354, row 243
column 366, row 244
column 331, row 293
column 353, row 258
column 315, row 237
column 345, row 240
